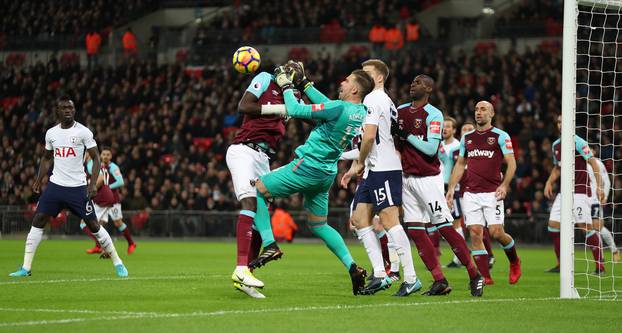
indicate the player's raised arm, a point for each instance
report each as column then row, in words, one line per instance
column 118, row 177
column 249, row 103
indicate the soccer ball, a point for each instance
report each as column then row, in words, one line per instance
column 246, row 60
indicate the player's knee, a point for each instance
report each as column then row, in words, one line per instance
column 40, row 220
column 93, row 225
column 496, row 232
column 249, row 204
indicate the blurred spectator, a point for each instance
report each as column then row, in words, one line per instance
column 93, row 43
column 129, row 43
column 283, row 225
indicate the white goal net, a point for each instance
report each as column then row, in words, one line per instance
column 592, row 271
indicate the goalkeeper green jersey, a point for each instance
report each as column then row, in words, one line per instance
column 338, row 123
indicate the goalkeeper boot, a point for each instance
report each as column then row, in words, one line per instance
column 121, row 270
column 250, row 291
column 477, row 286
column 376, row 284
column 515, row 272
column 243, row 275
column 438, row 288
column 408, row 288
column 269, row 253
column 21, row 272
column 357, row 274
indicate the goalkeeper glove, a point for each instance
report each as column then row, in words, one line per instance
column 283, row 78
column 300, row 80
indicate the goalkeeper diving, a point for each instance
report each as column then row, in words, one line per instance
column 314, row 167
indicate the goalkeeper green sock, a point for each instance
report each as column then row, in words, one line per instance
column 262, row 221
column 333, row 240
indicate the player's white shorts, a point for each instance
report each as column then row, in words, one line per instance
column 423, row 200
column 102, row 212
column 246, row 165
column 581, row 209
column 482, row 209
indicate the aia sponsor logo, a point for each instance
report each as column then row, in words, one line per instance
column 317, row 107
column 435, row 127
column 491, row 140
column 480, row 153
column 418, row 123
column 64, row 152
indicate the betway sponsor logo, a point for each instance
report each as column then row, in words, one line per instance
column 480, row 153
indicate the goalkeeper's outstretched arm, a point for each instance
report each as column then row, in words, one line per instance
column 324, row 111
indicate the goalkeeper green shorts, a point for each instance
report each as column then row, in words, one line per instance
column 291, row 178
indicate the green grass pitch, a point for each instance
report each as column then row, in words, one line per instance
column 185, row 287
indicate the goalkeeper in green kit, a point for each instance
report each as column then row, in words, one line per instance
column 314, row 167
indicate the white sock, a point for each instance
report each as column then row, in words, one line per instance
column 106, row 243
column 402, row 246
column 606, row 235
column 395, row 259
column 32, row 242
column 374, row 252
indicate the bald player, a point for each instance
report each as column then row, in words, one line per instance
column 483, row 151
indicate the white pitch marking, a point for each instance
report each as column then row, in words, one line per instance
column 175, row 277
column 156, row 315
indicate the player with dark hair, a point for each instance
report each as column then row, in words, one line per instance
column 314, row 167
column 419, row 128
column 483, row 151
column 582, row 194
column 66, row 143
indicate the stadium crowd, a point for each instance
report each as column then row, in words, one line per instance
column 169, row 128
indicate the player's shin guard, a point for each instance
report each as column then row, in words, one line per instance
column 333, row 241
column 262, row 221
column 435, row 238
column 126, row 233
column 106, row 243
column 244, row 235
column 554, row 233
column 593, row 241
column 384, row 246
column 487, row 243
column 372, row 246
column 459, row 246
column 86, row 230
column 426, row 250
column 510, row 251
column 32, row 242
column 402, row 246
column 481, row 260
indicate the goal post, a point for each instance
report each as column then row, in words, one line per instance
column 591, row 97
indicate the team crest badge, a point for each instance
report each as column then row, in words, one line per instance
column 73, row 139
column 418, row 123
column 491, row 141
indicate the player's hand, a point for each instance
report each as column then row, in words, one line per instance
column 359, row 169
column 396, row 129
column 36, row 186
column 300, row 78
column 548, row 191
column 345, row 179
column 600, row 195
column 501, row 192
column 92, row 191
column 283, row 78
column 449, row 197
